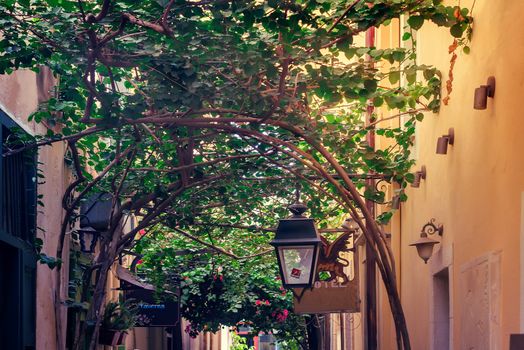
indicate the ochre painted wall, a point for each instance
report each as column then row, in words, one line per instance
column 474, row 190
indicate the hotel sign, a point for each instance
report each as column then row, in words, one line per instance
column 339, row 290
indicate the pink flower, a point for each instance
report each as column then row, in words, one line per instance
column 142, row 232
column 139, row 262
column 282, row 316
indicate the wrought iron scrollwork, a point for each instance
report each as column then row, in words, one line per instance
column 431, row 228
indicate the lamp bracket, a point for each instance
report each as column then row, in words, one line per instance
column 422, row 172
column 451, row 136
column 431, row 228
column 490, row 85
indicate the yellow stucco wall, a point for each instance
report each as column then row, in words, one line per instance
column 474, row 190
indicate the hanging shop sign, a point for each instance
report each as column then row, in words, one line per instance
column 336, row 288
column 152, row 312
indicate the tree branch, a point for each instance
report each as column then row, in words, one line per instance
column 101, row 15
column 350, row 7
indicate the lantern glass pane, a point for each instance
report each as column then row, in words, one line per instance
column 297, row 262
column 425, row 251
column 88, row 240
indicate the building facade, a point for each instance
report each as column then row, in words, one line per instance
column 470, row 293
column 30, row 306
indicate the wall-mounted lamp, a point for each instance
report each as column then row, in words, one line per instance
column 424, row 244
column 483, row 92
column 419, row 175
column 395, row 202
column 444, row 140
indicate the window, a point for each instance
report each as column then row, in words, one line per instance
column 17, row 232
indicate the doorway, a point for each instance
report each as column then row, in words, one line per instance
column 441, row 311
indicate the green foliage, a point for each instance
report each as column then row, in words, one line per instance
column 216, row 291
column 119, row 315
column 44, row 258
column 239, row 343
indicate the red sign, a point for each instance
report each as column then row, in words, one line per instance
column 296, row 273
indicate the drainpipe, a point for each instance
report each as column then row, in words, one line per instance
column 371, row 271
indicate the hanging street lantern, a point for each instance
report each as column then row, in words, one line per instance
column 88, row 237
column 297, row 244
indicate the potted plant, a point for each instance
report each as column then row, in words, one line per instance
column 118, row 318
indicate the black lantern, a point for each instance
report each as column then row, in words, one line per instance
column 297, row 245
column 95, row 217
column 88, row 237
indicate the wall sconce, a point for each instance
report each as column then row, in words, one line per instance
column 444, row 140
column 419, row 175
column 483, row 92
column 395, row 202
column 424, row 244
column 396, row 198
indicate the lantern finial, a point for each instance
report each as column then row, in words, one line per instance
column 297, row 208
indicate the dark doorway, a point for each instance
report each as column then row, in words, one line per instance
column 441, row 311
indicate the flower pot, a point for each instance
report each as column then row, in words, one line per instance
column 109, row 337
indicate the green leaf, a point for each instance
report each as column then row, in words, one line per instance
column 384, row 218
column 394, row 77
column 378, row 101
column 362, row 51
column 349, row 53
column 371, row 85
column 162, row 3
column 411, row 76
column 439, row 19
column 456, row 30
column 415, row 22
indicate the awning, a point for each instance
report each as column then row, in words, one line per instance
column 124, row 274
